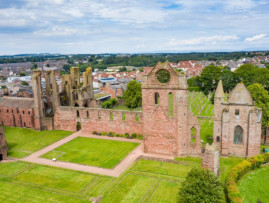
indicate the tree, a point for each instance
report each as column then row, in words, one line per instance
column 193, row 81
column 66, row 68
column 24, row 83
column 22, row 73
column 261, row 98
column 132, row 96
column 200, row 186
column 123, row 69
column 229, row 80
column 246, row 73
column 34, row 66
column 209, row 78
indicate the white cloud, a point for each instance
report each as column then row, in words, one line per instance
column 201, row 40
column 239, row 4
column 256, row 37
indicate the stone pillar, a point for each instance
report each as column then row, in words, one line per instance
column 75, row 78
column 211, row 158
column 38, row 100
column 3, row 144
column 52, row 91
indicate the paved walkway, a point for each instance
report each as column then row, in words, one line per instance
column 116, row 171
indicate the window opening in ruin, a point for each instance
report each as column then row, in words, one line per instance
column 136, row 117
column 238, row 135
column 157, row 98
column 24, row 124
column 193, row 134
column 88, row 115
column 77, row 113
column 29, row 112
column 111, row 116
column 218, row 138
column 99, row 115
column 171, row 103
column 22, row 112
column 50, row 86
column 237, row 112
column 12, row 110
column 123, row 116
column 76, row 105
column 7, row 110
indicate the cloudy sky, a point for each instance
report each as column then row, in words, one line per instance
column 132, row 26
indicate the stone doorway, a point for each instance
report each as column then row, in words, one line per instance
column 1, row 157
column 78, row 126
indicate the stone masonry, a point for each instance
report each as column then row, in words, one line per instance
column 211, row 158
column 3, row 145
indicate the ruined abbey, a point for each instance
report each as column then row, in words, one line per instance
column 165, row 121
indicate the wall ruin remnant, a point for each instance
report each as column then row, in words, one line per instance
column 3, row 145
column 211, row 158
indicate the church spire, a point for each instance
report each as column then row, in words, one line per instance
column 219, row 91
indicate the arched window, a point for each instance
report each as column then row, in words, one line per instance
column 171, row 103
column 77, row 113
column 238, row 135
column 157, row 98
column 193, row 134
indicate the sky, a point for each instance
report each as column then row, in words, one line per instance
column 132, row 26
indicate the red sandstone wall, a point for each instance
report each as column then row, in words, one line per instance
column 99, row 120
column 19, row 118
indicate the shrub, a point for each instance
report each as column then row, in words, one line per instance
column 114, row 134
column 94, row 132
column 126, row 135
column 134, row 135
column 140, row 137
column 239, row 171
column 103, row 133
column 110, row 134
column 200, row 186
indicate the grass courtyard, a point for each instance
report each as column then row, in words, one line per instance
column 23, row 141
column 91, row 151
column 254, row 186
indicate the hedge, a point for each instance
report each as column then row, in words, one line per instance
column 126, row 135
column 239, row 171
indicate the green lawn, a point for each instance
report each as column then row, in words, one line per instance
column 255, row 186
column 23, row 141
column 91, row 151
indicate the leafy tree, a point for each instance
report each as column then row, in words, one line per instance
column 247, row 73
column 200, row 186
column 24, row 83
column 209, row 78
column 123, row 69
column 193, row 81
column 261, row 98
column 132, row 96
column 66, row 68
column 229, row 80
column 22, row 73
column 34, row 66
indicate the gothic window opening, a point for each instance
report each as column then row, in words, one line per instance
column 136, row 117
column 88, row 115
column 218, row 139
column 77, row 113
column 157, row 98
column 238, row 135
column 193, row 134
column 123, row 116
column 111, row 116
column 171, row 103
column 99, row 115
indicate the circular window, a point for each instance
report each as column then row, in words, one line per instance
column 163, row 76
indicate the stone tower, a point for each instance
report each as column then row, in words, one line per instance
column 75, row 77
column 38, row 99
column 87, row 82
column 237, row 123
column 52, row 91
column 166, row 117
